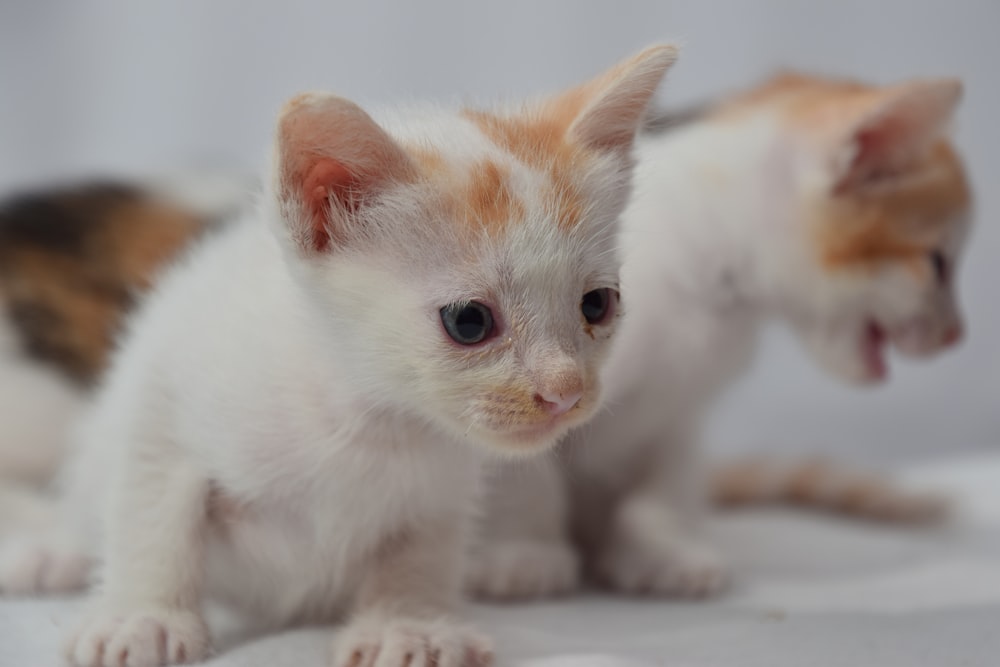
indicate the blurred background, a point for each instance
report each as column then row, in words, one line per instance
column 137, row 89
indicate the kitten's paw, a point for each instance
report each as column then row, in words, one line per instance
column 523, row 570
column 411, row 643
column 690, row 570
column 138, row 638
column 36, row 567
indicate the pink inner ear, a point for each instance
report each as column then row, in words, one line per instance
column 878, row 149
column 325, row 177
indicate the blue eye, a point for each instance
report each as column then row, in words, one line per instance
column 467, row 323
column 596, row 305
column 940, row 264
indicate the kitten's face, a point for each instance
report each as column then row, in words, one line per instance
column 887, row 208
column 478, row 286
column 891, row 254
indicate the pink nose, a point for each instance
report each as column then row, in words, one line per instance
column 558, row 404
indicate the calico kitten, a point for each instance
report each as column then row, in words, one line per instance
column 836, row 207
column 73, row 262
column 296, row 421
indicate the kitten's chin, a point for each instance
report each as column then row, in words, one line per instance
column 527, row 440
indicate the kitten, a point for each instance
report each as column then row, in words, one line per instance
column 73, row 263
column 836, row 207
column 296, row 421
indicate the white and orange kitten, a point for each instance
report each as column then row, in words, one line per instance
column 296, row 422
column 836, row 207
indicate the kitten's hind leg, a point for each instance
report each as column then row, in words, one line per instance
column 651, row 552
column 523, row 551
column 39, row 554
column 523, row 570
column 652, row 545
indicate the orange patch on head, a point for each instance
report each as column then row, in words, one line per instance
column 429, row 161
column 539, row 141
column 900, row 220
column 489, row 200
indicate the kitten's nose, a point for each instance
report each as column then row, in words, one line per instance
column 558, row 404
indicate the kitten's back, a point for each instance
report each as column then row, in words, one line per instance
column 74, row 261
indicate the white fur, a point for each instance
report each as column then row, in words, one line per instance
column 717, row 238
column 38, row 407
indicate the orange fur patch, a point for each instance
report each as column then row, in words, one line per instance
column 69, row 291
column 902, row 220
column 539, row 141
column 491, row 203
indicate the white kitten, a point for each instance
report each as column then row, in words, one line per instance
column 295, row 423
column 836, row 207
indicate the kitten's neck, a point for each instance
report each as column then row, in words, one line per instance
column 727, row 193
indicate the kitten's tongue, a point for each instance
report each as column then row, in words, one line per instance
column 873, row 351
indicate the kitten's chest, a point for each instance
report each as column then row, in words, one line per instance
column 298, row 543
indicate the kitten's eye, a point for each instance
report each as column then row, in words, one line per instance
column 467, row 323
column 940, row 264
column 596, row 304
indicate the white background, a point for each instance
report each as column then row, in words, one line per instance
column 131, row 88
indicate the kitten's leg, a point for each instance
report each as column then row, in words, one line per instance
column 522, row 550
column 38, row 552
column 147, row 612
column 406, row 604
column 653, row 544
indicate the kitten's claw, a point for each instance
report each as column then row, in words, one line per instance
column 690, row 570
column 523, row 570
column 36, row 567
column 140, row 638
column 387, row 643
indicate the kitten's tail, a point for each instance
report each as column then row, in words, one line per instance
column 823, row 485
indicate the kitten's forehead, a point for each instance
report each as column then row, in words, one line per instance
column 492, row 170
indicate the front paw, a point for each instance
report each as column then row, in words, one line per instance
column 523, row 570
column 687, row 569
column 138, row 638
column 411, row 643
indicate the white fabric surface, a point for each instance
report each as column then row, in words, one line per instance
column 810, row 592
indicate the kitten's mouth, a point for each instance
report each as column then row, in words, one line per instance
column 873, row 350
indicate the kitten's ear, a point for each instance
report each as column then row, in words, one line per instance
column 607, row 111
column 903, row 122
column 332, row 159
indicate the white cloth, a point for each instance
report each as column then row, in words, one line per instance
column 810, row 592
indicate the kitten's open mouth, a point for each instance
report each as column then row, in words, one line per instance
column 873, row 344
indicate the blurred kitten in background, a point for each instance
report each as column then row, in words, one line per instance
column 74, row 260
column 837, row 208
